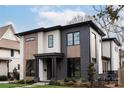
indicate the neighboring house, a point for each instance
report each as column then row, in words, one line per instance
column 110, row 55
column 9, row 50
column 61, row 51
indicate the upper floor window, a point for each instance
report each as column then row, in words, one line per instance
column 73, row 38
column 70, row 39
column 76, row 38
column 12, row 53
column 50, row 41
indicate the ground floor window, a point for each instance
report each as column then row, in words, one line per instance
column 30, row 68
column 105, row 66
column 73, row 67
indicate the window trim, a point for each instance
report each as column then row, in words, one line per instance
column 52, row 41
column 95, row 43
column 67, row 39
column 72, row 38
column 79, row 37
column 73, row 62
column 29, row 73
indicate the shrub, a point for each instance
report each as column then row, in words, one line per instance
column 52, row 82
column 3, row 78
column 91, row 72
column 29, row 81
column 25, row 81
column 21, row 81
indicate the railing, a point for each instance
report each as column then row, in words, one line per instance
column 110, row 76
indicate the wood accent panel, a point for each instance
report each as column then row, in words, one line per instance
column 30, row 46
column 73, row 51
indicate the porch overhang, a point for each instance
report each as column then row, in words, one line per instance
column 49, row 55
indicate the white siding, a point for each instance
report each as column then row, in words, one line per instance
column 5, row 53
column 115, row 56
column 3, row 68
column 98, row 50
column 22, row 58
column 114, row 53
column 41, row 70
column 41, row 42
column 106, row 48
column 9, row 35
column 56, row 41
column 14, row 64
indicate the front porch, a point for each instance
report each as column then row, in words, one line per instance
column 47, row 65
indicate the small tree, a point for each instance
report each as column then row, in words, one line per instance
column 91, row 72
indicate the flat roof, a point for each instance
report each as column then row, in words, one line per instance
column 112, row 39
column 59, row 27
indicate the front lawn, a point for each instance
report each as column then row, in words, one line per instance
column 11, row 85
column 47, row 86
column 28, row 86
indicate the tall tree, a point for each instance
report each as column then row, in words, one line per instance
column 110, row 18
column 80, row 18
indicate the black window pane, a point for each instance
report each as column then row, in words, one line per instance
column 76, row 38
column 50, row 41
column 30, row 68
column 70, row 39
column 73, row 67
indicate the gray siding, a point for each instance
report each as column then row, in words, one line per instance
column 84, row 48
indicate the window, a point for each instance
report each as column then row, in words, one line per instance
column 50, row 41
column 76, row 38
column 74, row 67
column 93, row 45
column 70, row 39
column 105, row 66
column 30, row 68
column 12, row 53
column 73, row 38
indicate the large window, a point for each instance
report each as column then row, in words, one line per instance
column 73, row 67
column 93, row 45
column 30, row 68
column 73, row 38
column 50, row 41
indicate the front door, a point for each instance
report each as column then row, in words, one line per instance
column 49, row 69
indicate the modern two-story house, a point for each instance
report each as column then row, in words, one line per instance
column 110, row 55
column 57, row 52
column 9, row 51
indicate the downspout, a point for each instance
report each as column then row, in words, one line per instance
column 110, row 55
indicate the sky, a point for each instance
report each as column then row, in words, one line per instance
column 25, row 18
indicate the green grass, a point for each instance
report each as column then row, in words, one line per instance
column 33, row 86
column 11, row 85
column 47, row 86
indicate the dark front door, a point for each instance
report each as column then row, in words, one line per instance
column 49, row 69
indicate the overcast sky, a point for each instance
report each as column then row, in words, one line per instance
column 26, row 18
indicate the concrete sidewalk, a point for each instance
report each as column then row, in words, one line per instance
column 4, row 82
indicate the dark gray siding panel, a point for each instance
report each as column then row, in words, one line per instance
column 85, row 51
column 84, row 48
